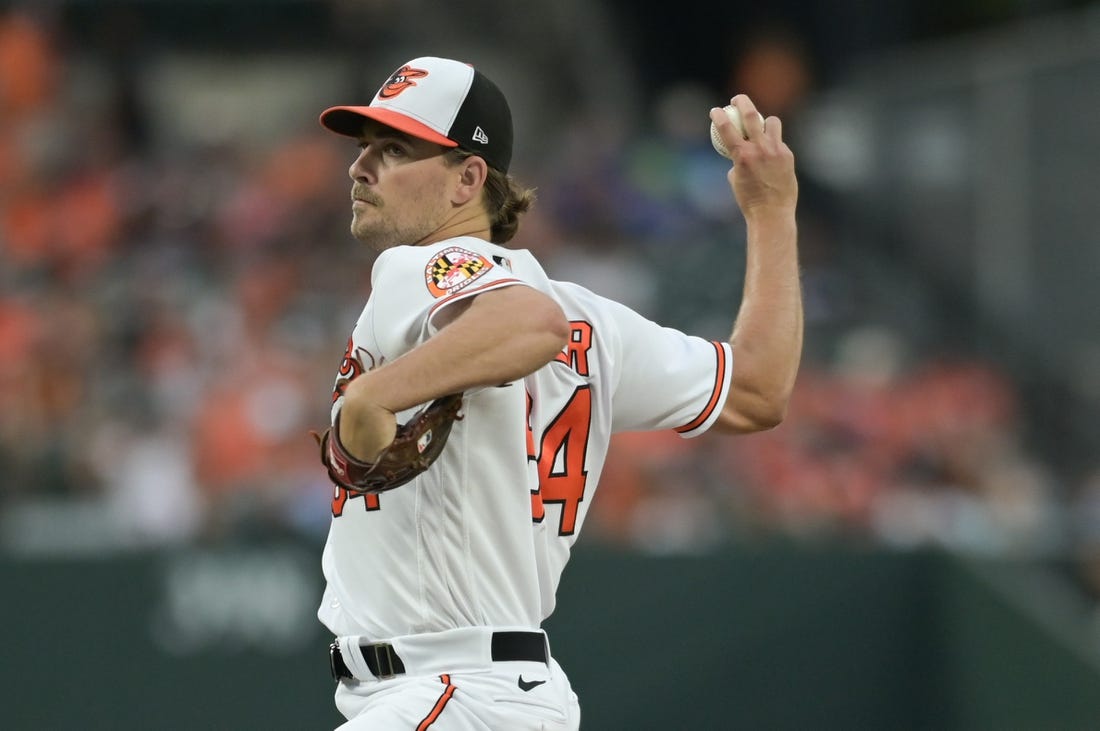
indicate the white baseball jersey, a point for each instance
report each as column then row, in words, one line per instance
column 481, row 538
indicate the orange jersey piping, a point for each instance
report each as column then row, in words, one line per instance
column 439, row 704
column 467, row 292
column 719, row 384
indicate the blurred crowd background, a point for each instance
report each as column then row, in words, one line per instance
column 177, row 280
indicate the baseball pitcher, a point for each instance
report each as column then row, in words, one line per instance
column 476, row 398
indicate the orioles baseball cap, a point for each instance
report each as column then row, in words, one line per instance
column 441, row 100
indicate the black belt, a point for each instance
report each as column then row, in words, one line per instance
column 384, row 662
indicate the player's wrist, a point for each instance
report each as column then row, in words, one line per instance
column 365, row 428
column 771, row 222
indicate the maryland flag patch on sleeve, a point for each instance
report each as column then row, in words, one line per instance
column 454, row 269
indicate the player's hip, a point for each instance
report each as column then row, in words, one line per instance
column 512, row 695
column 454, row 680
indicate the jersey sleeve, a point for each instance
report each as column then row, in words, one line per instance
column 412, row 285
column 666, row 378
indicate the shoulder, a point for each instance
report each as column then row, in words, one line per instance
column 433, row 261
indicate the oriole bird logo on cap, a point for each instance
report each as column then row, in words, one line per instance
column 402, row 79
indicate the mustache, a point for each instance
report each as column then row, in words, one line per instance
column 362, row 194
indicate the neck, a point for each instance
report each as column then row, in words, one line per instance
column 465, row 222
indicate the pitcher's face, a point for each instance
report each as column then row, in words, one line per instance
column 400, row 189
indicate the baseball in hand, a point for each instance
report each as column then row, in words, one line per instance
column 735, row 117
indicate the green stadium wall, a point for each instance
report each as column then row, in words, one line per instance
column 759, row 638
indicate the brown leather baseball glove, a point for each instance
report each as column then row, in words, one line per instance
column 417, row 444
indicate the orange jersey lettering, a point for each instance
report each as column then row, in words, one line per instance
column 575, row 354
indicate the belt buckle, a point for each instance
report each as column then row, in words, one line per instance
column 333, row 652
column 385, row 667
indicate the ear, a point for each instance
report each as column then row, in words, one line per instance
column 472, row 174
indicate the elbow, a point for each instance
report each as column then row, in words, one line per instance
column 761, row 386
column 550, row 330
column 769, row 415
column 749, row 410
column 764, row 417
column 556, row 325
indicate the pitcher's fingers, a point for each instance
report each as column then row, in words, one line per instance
column 773, row 128
column 730, row 137
column 751, row 119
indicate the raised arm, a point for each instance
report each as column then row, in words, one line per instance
column 767, row 334
column 496, row 337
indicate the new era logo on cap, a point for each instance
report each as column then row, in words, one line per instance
column 441, row 100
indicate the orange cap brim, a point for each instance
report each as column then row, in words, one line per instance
column 348, row 121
